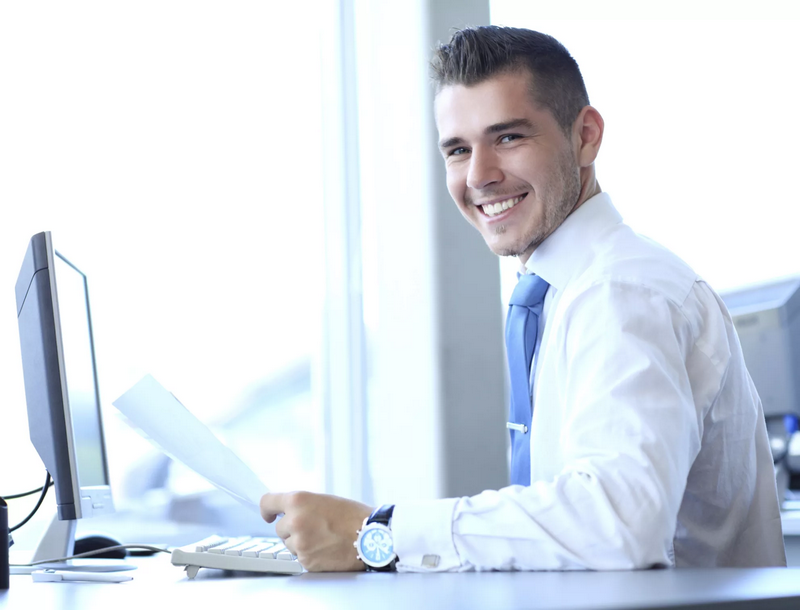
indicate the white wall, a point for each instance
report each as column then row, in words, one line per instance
column 174, row 149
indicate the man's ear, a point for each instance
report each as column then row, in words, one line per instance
column 587, row 134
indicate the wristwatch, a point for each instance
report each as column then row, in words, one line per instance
column 374, row 544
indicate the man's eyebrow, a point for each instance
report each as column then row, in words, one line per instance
column 450, row 142
column 496, row 128
column 513, row 124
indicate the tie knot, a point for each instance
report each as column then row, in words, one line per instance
column 530, row 291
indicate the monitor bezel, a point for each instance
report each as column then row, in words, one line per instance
column 84, row 500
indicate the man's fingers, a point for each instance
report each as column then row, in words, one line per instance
column 283, row 532
column 272, row 505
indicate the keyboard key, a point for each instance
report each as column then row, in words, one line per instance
column 239, row 548
column 253, row 551
column 221, row 548
column 207, row 543
column 271, row 552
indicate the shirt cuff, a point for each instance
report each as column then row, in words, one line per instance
column 423, row 536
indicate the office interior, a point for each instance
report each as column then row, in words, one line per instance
column 258, row 203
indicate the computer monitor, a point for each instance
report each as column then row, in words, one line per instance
column 767, row 320
column 64, row 416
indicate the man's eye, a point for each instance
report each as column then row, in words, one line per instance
column 457, row 151
column 510, row 137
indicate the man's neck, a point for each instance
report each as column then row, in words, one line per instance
column 589, row 188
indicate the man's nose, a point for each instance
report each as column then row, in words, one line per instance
column 484, row 169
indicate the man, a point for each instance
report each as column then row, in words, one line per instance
column 641, row 441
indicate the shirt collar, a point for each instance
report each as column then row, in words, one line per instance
column 564, row 253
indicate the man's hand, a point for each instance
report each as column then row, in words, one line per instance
column 319, row 529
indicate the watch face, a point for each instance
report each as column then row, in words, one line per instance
column 376, row 546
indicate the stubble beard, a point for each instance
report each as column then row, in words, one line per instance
column 558, row 202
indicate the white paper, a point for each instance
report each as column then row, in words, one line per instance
column 161, row 418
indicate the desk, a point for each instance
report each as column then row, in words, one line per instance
column 790, row 521
column 159, row 584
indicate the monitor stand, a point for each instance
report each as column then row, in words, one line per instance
column 59, row 541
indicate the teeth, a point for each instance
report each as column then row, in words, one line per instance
column 492, row 209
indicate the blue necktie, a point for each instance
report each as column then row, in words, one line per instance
column 522, row 326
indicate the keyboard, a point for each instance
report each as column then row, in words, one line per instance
column 244, row 553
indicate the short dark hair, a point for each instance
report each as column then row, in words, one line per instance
column 474, row 55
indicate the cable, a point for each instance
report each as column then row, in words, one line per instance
column 147, row 547
column 48, row 481
column 35, row 508
column 27, row 493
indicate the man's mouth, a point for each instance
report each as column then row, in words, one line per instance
column 493, row 209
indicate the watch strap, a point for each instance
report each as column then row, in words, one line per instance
column 382, row 515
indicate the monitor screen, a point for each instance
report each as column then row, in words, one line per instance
column 767, row 320
column 60, row 377
column 76, row 339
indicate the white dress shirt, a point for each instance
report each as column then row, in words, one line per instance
column 648, row 441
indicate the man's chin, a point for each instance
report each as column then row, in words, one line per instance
column 504, row 248
column 506, row 251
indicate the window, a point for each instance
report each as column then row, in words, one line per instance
column 174, row 150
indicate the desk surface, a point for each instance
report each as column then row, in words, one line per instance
column 159, row 584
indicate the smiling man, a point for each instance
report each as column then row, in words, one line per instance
column 516, row 179
column 638, row 439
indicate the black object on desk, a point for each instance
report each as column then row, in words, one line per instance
column 4, row 573
column 97, row 542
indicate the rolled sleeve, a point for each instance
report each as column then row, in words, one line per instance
column 423, row 536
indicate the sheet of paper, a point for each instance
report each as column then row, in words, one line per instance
column 161, row 418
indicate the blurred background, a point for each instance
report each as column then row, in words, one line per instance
column 254, row 193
